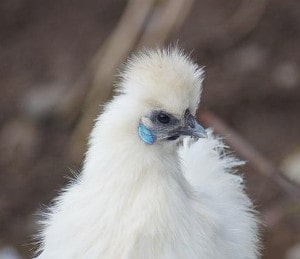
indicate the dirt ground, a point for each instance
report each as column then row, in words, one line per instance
column 252, row 82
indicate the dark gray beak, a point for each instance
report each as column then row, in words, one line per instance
column 192, row 127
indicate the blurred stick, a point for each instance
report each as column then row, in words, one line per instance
column 141, row 17
column 247, row 152
column 238, row 26
column 166, row 19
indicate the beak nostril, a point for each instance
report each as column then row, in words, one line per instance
column 192, row 127
column 189, row 119
column 192, row 124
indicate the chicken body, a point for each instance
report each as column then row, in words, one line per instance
column 157, row 200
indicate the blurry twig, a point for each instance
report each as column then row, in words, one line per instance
column 247, row 152
column 238, row 26
column 165, row 20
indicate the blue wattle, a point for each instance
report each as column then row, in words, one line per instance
column 146, row 135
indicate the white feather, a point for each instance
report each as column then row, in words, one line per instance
column 139, row 201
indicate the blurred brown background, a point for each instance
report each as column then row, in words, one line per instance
column 49, row 57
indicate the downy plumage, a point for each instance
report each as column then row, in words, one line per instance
column 147, row 189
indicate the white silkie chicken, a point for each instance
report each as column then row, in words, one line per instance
column 141, row 193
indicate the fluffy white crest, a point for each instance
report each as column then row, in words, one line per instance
column 167, row 78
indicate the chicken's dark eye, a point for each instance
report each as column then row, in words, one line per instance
column 163, row 118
